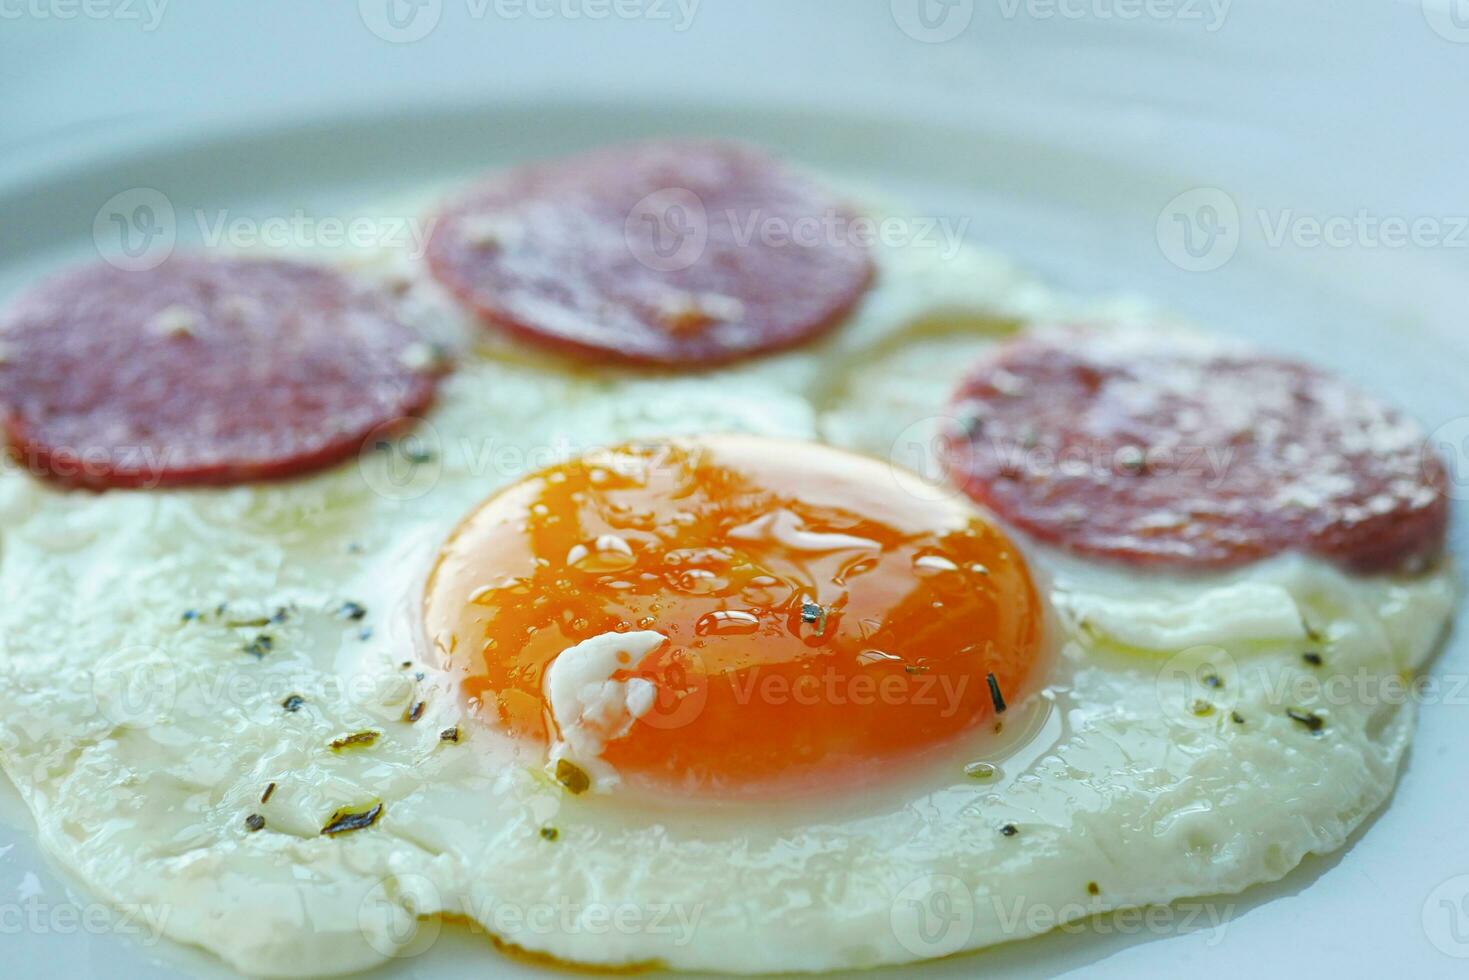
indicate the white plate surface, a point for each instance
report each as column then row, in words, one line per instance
column 1065, row 138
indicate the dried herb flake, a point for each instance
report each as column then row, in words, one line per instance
column 1312, row 722
column 995, row 696
column 348, row 820
column 573, row 777
column 355, row 740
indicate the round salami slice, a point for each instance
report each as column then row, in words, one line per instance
column 202, row 371
column 1162, row 449
column 665, row 253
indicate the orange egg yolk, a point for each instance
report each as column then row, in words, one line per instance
column 824, row 615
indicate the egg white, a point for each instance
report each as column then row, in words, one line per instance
column 141, row 739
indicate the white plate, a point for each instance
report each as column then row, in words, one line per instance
column 1064, row 140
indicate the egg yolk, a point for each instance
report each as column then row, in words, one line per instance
column 823, row 614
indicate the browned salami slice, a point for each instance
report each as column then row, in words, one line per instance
column 671, row 253
column 1161, row 449
column 202, row 371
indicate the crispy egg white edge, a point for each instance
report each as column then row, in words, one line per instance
column 144, row 797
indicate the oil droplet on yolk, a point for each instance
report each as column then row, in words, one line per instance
column 823, row 617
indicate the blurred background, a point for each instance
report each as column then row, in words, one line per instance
column 1293, row 172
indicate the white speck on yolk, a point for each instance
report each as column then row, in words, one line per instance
column 589, row 708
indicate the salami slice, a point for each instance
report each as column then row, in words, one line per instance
column 667, row 253
column 202, row 371
column 1162, row 449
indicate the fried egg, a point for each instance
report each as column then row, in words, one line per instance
column 480, row 676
